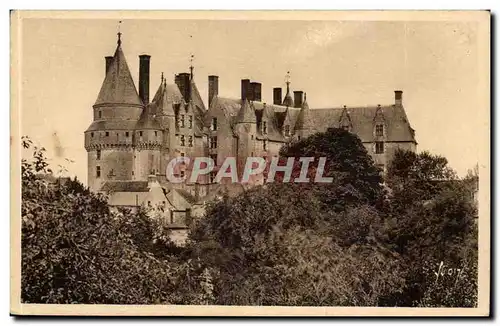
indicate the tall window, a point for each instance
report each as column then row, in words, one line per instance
column 98, row 171
column 212, row 177
column 107, row 134
column 264, row 127
column 379, row 147
column 213, row 142
column 100, row 114
column 156, row 133
column 126, row 134
column 98, row 154
column 379, row 130
column 190, row 122
column 287, row 130
column 91, row 135
column 190, row 141
column 214, row 157
column 213, row 126
column 183, row 140
column 264, row 145
column 182, row 121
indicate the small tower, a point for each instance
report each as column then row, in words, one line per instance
column 246, row 131
column 109, row 140
column 288, row 100
column 304, row 125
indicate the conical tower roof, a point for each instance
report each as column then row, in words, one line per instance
column 118, row 86
column 304, row 120
column 246, row 113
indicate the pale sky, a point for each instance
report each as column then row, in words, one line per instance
column 336, row 62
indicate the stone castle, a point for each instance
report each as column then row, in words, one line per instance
column 132, row 138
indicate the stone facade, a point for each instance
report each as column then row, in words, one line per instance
column 132, row 138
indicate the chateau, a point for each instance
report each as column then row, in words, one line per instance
column 132, row 138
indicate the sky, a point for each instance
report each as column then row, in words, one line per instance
column 435, row 63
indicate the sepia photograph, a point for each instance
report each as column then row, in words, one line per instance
column 279, row 163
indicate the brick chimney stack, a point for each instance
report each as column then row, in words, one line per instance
column 213, row 88
column 298, row 97
column 256, row 91
column 245, row 88
column 277, row 97
column 109, row 60
column 144, row 78
column 398, row 98
column 183, row 81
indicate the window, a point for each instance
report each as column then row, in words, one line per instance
column 156, row 133
column 252, row 137
column 91, row 135
column 98, row 171
column 287, row 130
column 212, row 177
column 100, row 114
column 190, row 122
column 182, row 121
column 345, row 127
column 132, row 172
column 264, row 145
column 183, row 140
column 149, row 203
column 182, row 154
column 264, row 127
column 140, row 133
column 98, row 154
column 298, row 137
column 213, row 142
column 107, row 133
column 379, row 130
column 190, row 141
column 112, row 173
column 379, row 147
column 183, row 174
column 213, row 126
column 126, row 134
column 214, row 157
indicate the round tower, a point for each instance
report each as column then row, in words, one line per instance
column 109, row 139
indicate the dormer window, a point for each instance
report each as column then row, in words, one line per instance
column 182, row 121
column 190, row 122
column 287, row 130
column 379, row 147
column 213, row 125
column 379, row 130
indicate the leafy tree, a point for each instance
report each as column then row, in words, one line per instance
column 74, row 250
column 432, row 219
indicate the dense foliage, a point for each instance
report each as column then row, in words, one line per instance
column 74, row 250
column 353, row 242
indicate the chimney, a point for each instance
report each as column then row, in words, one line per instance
column 144, row 78
column 109, row 60
column 213, row 88
column 398, row 98
column 277, row 96
column 298, row 98
column 245, row 87
column 183, row 81
column 256, row 91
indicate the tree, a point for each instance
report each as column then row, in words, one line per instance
column 432, row 221
column 74, row 250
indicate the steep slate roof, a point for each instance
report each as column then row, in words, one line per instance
column 397, row 124
column 147, row 119
column 246, row 113
column 362, row 118
column 125, row 186
column 118, row 86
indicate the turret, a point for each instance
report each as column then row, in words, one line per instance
column 110, row 137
